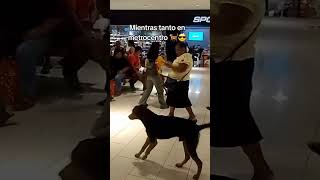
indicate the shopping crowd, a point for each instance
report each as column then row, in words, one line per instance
column 130, row 64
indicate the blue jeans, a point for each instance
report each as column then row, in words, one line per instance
column 118, row 79
column 28, row 54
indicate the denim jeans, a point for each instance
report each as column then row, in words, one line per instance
column 118, row 79
column 28, row 54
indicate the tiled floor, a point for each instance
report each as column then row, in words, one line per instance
column 127, row 137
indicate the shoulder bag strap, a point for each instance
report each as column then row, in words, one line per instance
column 241, row 43
column 186, row 74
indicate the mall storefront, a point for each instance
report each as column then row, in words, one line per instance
column 164, row 26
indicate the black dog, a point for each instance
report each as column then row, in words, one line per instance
column 165, row 127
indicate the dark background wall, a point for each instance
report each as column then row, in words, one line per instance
column 157, row 17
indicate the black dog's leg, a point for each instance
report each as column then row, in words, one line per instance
column 144, row 147
column 192, row 149
column 199, row 164
column 153, row 143
column 187, row 156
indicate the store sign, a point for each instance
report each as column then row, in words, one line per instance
column 200, row 19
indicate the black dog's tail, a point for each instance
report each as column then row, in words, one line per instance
column 203, row 126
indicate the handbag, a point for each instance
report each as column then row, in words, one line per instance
column 9, row 88
column 171, row 84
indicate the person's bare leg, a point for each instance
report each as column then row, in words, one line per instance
column 192, row 116
column 261, row 168
column 171, row 113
